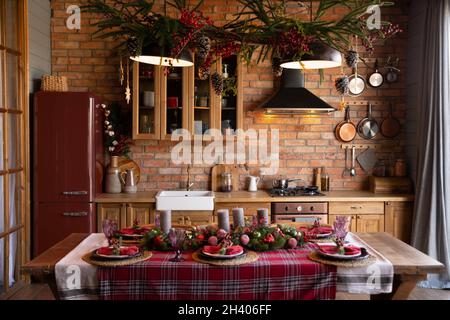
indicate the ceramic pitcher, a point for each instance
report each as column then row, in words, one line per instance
column 112, row 179
column 129, row 181
column 253, row 184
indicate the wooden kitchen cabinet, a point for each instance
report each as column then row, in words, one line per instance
column 181, row 100
column 370, row 223
column 111, row 211
column 124, row 213
column 398, row 219
column 141, row 211
column 195, row 218
column 354, row 207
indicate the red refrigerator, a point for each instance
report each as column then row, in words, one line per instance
column 67, row 165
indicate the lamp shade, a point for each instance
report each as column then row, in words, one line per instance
column 322, row 57
column 161, row 57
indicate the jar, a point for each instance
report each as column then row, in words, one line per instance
column 400, row 168
column 379, row 169
column 227, row 183
column 325, row 181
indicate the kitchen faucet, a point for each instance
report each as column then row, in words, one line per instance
column 189, row 184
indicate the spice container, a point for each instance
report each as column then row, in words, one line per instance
column 317, row 178
column 227, row 183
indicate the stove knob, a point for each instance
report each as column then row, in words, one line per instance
column 312, row 208
column 299, row 208
column 286, row 208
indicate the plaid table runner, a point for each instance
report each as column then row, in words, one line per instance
column 277, row 275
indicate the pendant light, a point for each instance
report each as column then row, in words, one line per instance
column 323, row 57
column 161, row 56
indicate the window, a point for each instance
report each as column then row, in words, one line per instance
column 13, row 133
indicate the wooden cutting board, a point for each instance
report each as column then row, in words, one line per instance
column 216, row 176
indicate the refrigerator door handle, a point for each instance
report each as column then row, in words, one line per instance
column 75, row 214
column 75, row 193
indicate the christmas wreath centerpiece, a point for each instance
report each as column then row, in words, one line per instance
column 156, row 239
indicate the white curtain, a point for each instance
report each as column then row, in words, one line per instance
column 431, row 229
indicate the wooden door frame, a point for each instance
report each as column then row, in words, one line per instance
column 22, row 228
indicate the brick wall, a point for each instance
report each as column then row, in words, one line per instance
column 306, row 141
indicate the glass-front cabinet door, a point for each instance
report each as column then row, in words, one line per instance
column 231, row 115
column 175, row 102
column 146, row 101
column 204, row 100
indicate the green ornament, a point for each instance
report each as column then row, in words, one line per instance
column 257, row 234
column 153, row 233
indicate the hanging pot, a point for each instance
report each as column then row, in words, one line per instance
column 368, row 127
column 356, row 85
column 390, row 127
column 375, row 79
column 345, row 131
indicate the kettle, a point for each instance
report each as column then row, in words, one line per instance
column 253, row 184
column 129, row 181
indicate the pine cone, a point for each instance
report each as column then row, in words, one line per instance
column 204, row 47
column 276, row 68
column 351, row 58
column 217, row 83
column 341, row 85
column 134, row 47
column 203, row 73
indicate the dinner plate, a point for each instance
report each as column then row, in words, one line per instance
column 223, row 256
column 343, row 256
column 324, row 235
column 114, row 257
column 131, row 235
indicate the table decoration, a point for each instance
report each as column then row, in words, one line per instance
column 93, row 259
column 248, row 257
column 263, row 216
column 238, row 217
column 110, row 228
column 165, row 220
column 223, row 217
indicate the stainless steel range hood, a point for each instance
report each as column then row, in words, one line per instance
column 294, row 98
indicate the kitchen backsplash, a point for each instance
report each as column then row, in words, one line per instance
column 306, row 142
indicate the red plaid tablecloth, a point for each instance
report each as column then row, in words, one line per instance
column 277, row 275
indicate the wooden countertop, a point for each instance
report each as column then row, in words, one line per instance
column 263, row 196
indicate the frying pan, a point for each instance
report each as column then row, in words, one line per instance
column 345, row 131
column 356, row 85
column 368, row 127
column 390, row 127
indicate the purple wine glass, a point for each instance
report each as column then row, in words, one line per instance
column 110, row 228
column 341, row 226
column 176, row 238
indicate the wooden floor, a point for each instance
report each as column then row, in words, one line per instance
column 42, row 292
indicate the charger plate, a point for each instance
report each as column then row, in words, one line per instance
column 95, row 260
column 357, row 262
column 247, row 257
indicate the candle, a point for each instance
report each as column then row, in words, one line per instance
column 263, row 216
column 165, row 220
column 238, row 217
column 224, row 219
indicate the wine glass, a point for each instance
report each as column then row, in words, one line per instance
column 176, row 238
column 110, row 228
column 341, row 226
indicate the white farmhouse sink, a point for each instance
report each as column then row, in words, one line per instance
column 185, row 200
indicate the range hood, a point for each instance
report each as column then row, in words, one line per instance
column 294, row 98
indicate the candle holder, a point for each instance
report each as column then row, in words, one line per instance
column 176, row 238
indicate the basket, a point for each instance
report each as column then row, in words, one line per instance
column 54, row 83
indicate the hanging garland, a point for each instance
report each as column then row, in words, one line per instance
column 262, row 28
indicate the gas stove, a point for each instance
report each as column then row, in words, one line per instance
column 295, row 192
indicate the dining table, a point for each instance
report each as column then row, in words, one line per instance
column 410, row 265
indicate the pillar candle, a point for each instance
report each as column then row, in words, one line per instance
column 238, row 217
column 165, row 218
column 263, row 216
column 224, row 219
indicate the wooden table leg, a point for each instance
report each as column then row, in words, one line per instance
column 402, row 287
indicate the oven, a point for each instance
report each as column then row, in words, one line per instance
column 300, row 212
